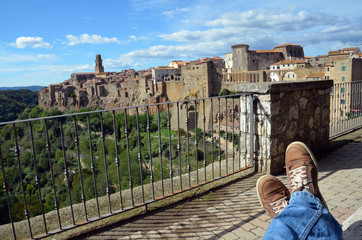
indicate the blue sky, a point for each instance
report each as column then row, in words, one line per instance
column 43, row 41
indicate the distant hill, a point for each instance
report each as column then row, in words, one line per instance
column 13, row 102
column 34, row 88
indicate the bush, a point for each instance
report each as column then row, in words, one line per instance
column 224, row 92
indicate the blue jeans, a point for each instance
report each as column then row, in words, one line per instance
column 304, row 218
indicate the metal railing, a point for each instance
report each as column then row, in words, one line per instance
column 59, row 172
column 346, row 108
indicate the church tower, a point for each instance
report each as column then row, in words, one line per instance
column 99, row 66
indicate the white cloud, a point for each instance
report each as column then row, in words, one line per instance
column 187, row 51
column 89, row 39
column 34, row 42
column 174, row 13
column 133, row 38
column 262, row 29
column 45, row 56
column 268, row 19
column 120, row 63
column 73, row 69
column 335, row 29
column 208, row 35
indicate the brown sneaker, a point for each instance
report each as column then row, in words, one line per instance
column 273, row 194
column 302, row 169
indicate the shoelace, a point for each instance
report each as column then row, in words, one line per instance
column 298, row 178
column 279, row 205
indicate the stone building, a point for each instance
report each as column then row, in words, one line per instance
column 177, row 64
column 243, row 59
column 290, row 65
column 159, row 73
column 316, row 76
column 201, row 78
column 319, row 60
column 97, row 89
column 291, row 51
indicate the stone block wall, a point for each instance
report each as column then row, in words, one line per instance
column 285, row 112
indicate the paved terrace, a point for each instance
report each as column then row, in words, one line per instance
column 233, row 211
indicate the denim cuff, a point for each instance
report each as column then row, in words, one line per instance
column 306, row 194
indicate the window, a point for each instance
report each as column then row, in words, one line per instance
column 342, row 90
column 343, row 68
column 343, row 78
column 343, row 101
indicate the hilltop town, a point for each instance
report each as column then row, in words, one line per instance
column 204, row 77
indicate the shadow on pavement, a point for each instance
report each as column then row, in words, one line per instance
column 354, row 232
column 214, row 211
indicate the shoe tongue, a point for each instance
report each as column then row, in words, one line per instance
column 292, row 165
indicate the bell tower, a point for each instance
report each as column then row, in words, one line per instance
column 99, row 66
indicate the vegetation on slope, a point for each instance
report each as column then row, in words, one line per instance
column 14, row 102
column 66, row 156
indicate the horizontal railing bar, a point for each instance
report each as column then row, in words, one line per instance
column 119, row 109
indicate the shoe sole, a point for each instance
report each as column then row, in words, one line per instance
column 315, row 163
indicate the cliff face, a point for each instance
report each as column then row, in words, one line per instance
column 106, row 90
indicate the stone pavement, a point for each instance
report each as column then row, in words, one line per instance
column 233, row 211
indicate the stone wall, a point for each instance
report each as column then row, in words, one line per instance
column 174, row 90
column 287, row 112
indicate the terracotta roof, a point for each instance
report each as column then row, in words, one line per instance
column 164, row 67
column 321, row 56
column 291, row 62
column 179, row 62
column 351, row 49
column 268, row 51
column 308, row 57
column 332, row 53
column 316, row 75
column 55, row 85
column 277, row 63
column 286, row 44
column 240, row 45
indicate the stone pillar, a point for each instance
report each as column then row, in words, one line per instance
column 285, row 112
